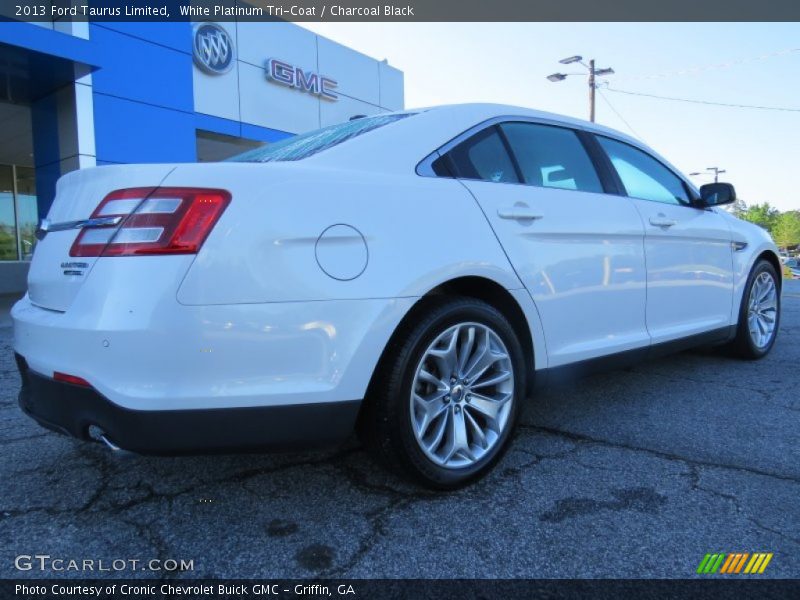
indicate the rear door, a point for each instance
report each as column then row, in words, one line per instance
column 688, row 249
column 577, row 249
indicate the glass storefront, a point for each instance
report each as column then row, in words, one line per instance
column 212, row 147
column 18, row 212
column 27, row 211
column 8, row 215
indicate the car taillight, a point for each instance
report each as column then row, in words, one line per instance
column 167, row 220
column 73, row 379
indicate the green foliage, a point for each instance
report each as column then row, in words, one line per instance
column 783, row 227
column 738, row 208
column 8, row 244
column 762, row 215
column 786, row 229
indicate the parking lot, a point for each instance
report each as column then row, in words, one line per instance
column 635, row 473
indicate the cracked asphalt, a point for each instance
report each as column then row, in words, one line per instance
column 635, row 473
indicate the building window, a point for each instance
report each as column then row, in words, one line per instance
column 213, row 147
column 8, row 215
column 18, row 212
column 27, row 210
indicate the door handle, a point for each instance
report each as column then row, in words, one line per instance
column 662, row 222
column 518, row 213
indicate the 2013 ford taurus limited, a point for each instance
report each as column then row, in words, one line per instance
column 409, row 275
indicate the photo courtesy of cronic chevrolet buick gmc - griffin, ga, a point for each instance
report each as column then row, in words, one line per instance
column 411, row 276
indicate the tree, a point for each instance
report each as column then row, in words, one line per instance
column 738, row 208
column 763, row 215
column 786, row 230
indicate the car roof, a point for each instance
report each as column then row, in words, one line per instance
column 487, row 110
column 434, row 126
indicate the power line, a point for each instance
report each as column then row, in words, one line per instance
column 594, row 73
column 616, row 112
column 703, row 68
column 708, row 102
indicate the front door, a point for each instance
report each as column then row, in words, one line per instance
column 688, row 249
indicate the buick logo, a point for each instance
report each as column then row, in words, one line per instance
column 213, row 49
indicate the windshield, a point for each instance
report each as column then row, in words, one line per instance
column 307, row 144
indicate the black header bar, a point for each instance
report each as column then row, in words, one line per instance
column 402, row 11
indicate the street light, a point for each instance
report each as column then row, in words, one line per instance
column 715, row 170
column 592, row 74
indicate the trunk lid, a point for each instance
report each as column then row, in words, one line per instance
column 55, row 277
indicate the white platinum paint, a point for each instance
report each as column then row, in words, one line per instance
column 254, row 319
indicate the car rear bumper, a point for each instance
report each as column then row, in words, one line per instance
column 73, row 409
column 162, row 356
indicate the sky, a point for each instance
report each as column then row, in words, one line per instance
column 736, row 63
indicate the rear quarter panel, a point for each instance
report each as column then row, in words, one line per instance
column 418, row 231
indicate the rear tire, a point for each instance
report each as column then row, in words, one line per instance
column 759, row 313
column 445, row 401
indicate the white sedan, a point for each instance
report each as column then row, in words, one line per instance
column 410, row 275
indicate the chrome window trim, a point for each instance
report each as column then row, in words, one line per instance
column 425, row 166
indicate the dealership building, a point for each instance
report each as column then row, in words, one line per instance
column 76, row 94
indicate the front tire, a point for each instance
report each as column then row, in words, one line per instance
column 759, row 313
column 445, row 401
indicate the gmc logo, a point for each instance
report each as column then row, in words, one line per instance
column 309, row 82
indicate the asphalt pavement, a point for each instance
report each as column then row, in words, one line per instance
column 635, row 473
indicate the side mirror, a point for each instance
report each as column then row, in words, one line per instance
column 715, row 194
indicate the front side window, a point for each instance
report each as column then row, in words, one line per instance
column 551, row 157
column 643, row 176
column 484, row 157
column 307, row 144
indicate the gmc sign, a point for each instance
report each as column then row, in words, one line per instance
column 305, row 81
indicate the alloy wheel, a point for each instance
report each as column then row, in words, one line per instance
column 462, row 395
column 762, row 310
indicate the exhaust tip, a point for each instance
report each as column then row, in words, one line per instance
column 99, row 435
column 111, row 445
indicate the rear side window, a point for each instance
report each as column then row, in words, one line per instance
column 642, row 175
column 551, row 157
column 307, row 144
column 483, row 156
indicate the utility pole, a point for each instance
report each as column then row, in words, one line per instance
column 593, row 73
column 715, row 170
